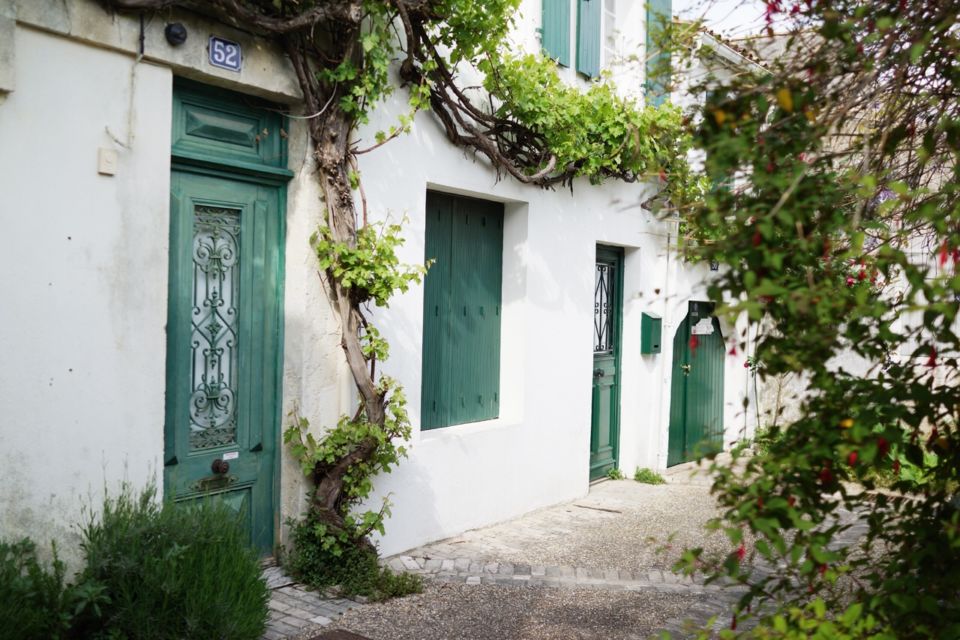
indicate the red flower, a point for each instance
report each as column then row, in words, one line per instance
column 746, row 364
column 852, row 458
column 791, row 500
column 823, row 569
column 944, row 253
column 771, row 167
column 932, row 360
column 896, row 467
column 850, row 281
column 741, row 552
column 733, row 350
column 757, row 239
column 883, row 447
column 826, row 476
column 862, row 275
column 760, row 503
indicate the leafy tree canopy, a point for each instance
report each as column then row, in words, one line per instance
column 835, row 209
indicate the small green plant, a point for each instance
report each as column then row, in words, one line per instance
column 647, row 476
column 34, row 600
column 353, row 568
column 171, row 571
column 616, row 474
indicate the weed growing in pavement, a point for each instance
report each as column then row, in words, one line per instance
column 646, row 476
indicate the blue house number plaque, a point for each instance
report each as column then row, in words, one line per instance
column 225, row 54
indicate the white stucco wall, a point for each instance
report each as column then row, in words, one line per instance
column 84, row 263
column 537, row 452
column 84, row 284
column 85, row 259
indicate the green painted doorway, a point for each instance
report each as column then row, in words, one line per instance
column 607, row 330
column 224, row 324
column 696, row 396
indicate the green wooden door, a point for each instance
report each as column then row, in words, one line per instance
column 224, row 324
column 696, row 397
column 223, row 333
column 607, row 323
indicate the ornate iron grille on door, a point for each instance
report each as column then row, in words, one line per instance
column 602, row 317
column 216, row 280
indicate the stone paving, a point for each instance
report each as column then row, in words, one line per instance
column 495, row 556
column 296, row 611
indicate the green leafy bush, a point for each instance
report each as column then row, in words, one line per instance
column 646, row 476
column 34, row 601
column 353, row 568
column 172, row 571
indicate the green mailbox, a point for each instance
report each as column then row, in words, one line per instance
column 650, row 329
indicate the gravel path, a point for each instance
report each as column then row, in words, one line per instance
column 457, row 611
column 619, row 525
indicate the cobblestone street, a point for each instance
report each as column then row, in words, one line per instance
column 596, row 567
column 593, row 568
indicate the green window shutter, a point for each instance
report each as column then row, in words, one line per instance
column 555, row 30
column 588, row 37
column 659, row 13
column 461, row 323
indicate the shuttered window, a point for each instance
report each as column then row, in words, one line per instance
column 589, row 14
column 555, row 30
column 461, row 311
column 659, row 13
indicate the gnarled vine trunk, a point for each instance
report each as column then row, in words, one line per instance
column 330, row 135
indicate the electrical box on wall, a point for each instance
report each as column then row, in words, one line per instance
column 650, row 330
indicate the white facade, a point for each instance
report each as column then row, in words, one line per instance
column 84, row 258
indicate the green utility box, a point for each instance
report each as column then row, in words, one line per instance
column 650, row 330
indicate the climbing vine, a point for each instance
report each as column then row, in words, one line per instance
column 348, row 56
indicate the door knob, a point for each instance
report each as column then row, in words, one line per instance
column 220, row 466
column 686, row 369
column 598, row 373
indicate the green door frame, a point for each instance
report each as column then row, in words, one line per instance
column 607, row 362
column 237, row 147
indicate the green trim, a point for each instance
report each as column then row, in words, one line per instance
column 658, row 11
column 197, row 162
column 281, row 272
column 555, row 30
column 460, row 379
column 589, row 15
column 617, row 254
column 225, row 128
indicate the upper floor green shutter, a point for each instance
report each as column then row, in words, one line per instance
column 588, row 37
column 461, row 311
column 555, row 30
column 659, row 14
